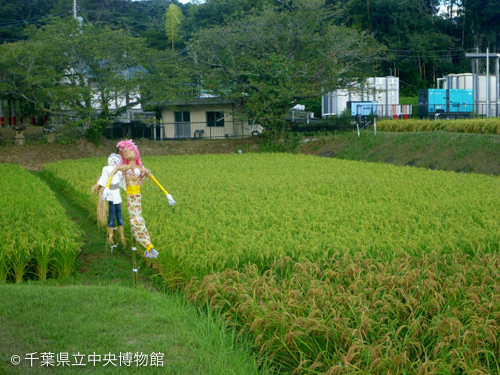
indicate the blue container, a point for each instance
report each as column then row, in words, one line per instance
column 454, row 103
column 437, row 100
column 363, row 108
column 460, row 100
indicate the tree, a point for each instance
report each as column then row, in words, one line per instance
column 267, row 61
column 217, row 12
column 419, row 47
column 174, row 18
column 16, row 12
column 84, row 72
column 481, row 19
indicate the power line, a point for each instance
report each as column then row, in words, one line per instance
column 29, row 20
column 443, row 56
column 149, row 25
column 441, row 50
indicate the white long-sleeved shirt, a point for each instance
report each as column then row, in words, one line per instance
column 117, row 180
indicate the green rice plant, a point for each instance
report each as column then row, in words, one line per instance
column 5, row 253
column 20, row 258
column 65, row 256
column 43, row 256
column 253, row 209
column 332, row 266
column 34, row 229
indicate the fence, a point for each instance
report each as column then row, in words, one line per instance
column 371, row 109
column 457, row 111
column 360, row 111
column 132, row 130
column 332, row 124
column 486, row 110
column 237, row 129
column 476, row 110
column 297, row 121
column 223, row 129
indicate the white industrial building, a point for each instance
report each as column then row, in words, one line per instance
column 382, row 90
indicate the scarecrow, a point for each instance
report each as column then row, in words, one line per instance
column 133, row 173
column 114, row 200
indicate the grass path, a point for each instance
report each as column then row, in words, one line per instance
column 97, row 310
column 97, row 266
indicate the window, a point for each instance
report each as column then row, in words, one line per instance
column 183, row 116
column 215, row 119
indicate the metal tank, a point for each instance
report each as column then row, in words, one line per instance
column 484, row 105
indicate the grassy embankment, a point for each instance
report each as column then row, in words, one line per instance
column 90, row 319
column 442, row 150
column 476, row 153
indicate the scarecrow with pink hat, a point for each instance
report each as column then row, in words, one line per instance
column 133, row 173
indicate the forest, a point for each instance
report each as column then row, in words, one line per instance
column 252, row 51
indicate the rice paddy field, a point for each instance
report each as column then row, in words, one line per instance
column 478, row 126
column 36, row 238
column 331, row 266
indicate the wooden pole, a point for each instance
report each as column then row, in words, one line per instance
column 134, row 263
column 1, row 113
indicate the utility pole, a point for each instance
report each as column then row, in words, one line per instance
column 488, row 82
column 74, row 9
column 368, row 13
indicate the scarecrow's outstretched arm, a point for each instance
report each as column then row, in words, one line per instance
column 105, row 193
column 117, row 168
column 169, row 197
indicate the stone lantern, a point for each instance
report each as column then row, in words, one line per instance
column 19, row 138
